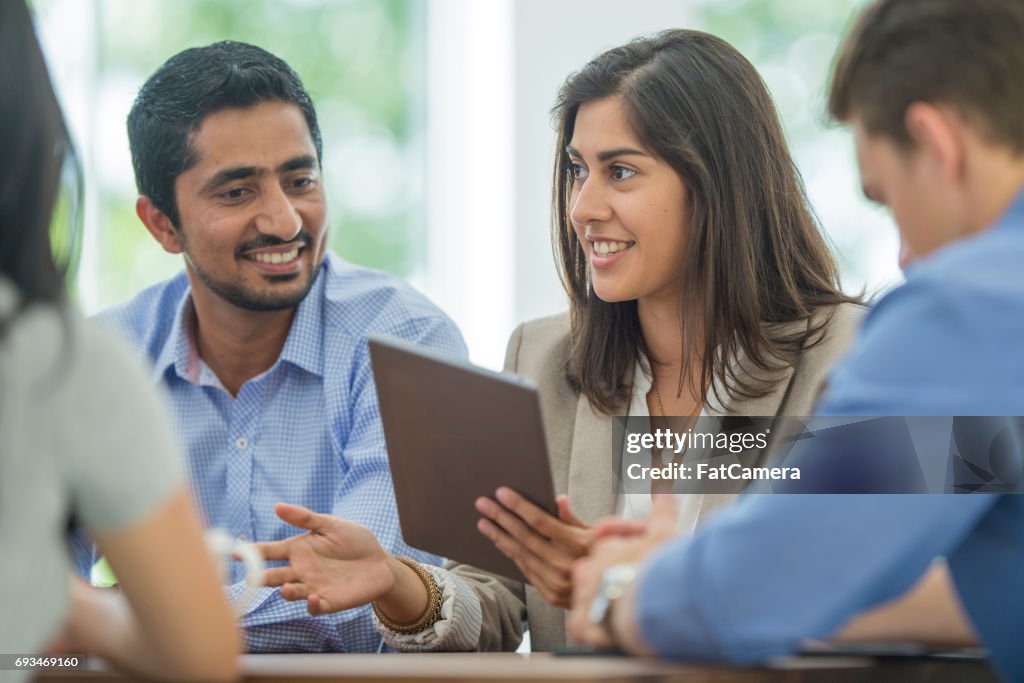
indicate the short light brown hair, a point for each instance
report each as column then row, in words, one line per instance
column 966, row 54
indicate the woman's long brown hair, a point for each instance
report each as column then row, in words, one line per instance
column 755, row 254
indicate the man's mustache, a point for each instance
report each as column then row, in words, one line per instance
column 264, row 241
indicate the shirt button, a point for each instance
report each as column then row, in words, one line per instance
column 243, row 538
column 241, row 443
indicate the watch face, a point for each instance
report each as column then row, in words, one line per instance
column 614, row 582
column 598, row 609
column 616, row 579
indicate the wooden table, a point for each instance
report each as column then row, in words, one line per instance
column 546, row 668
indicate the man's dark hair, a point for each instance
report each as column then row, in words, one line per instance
column 968, row 55
column 190, row 86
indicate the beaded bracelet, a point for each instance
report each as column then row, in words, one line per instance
column 430, row 615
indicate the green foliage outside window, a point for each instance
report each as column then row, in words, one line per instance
column 792, row 43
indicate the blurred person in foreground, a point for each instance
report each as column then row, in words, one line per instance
column 260, row 339
column 933, row 94
column 83, row 437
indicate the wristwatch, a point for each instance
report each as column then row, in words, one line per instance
column 614, row 582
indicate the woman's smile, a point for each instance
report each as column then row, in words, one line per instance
column 606, row 253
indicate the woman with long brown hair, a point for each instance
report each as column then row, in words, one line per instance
column 699, row 285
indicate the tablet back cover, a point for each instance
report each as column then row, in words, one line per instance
column 456, row 432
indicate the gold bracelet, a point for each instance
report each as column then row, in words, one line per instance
column 431, row 615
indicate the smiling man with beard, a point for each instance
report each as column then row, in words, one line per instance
column 261, row 340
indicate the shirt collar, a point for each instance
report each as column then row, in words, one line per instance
column 1014, row 214
column 177, row 348
column 303, row 347
column 642, row 386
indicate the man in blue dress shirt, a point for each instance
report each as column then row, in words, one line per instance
column 932, row 90
column 261, row 340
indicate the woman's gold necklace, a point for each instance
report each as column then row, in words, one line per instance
column 657, row 397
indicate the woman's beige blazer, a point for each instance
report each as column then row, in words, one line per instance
column 579, row 447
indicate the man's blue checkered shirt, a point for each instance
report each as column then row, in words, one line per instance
column 307, row 431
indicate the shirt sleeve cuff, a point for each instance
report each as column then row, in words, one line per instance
column 669, row 606
column 457, row 630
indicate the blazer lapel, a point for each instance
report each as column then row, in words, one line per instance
column 768, row 405
column 590, row 466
